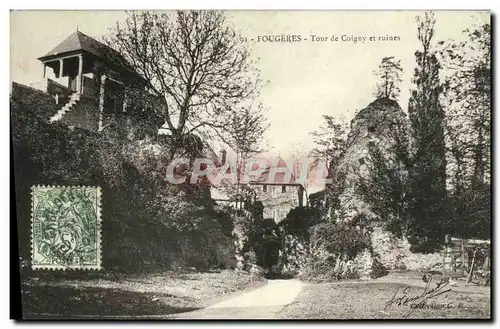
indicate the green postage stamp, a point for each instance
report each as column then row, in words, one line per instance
column 66, row 227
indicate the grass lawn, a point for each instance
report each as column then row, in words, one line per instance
column 372, row 300
column 128, row 295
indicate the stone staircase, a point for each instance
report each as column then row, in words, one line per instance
column 74, row 98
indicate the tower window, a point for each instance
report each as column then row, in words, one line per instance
column 264, row 188
column 283, row 189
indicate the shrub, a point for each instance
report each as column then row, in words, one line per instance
column 324, row 267
column 399, row 264
column 333, row 249
column 339, row 238
column 294, row 254
column 378, row 269
column 250, row 260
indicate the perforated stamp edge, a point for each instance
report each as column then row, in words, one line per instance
column 98, row 233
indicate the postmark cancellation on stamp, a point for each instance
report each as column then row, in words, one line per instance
column 66, row 227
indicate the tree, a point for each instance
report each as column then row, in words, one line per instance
column 468, row 97
column 194, row 64
column 468, row 100
column 427, row 207
column 330, row 140
column 389, row 75
column 246, row 128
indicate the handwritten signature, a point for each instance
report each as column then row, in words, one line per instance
column 402, row 297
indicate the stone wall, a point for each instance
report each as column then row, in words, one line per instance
column 84, row 114
column 395, row 253
column 276, row 201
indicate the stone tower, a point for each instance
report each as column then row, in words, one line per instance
column 376, row 125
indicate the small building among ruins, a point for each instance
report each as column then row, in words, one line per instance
column 91, row 82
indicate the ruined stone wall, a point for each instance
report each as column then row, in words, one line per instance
column 374, row 125
column 84, row 114
column 395, row 253
column 276, row 201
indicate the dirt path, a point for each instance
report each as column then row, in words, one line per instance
column 262, row 303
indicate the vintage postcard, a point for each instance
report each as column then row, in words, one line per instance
column 252, row 164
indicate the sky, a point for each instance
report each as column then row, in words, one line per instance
column 306, row 79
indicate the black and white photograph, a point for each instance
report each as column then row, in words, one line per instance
column 251, row 164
